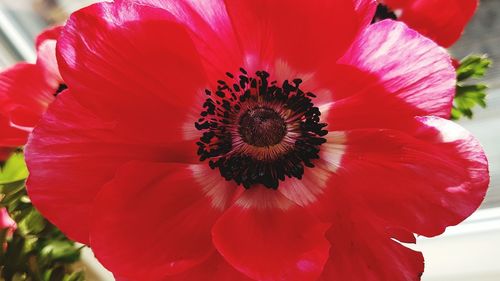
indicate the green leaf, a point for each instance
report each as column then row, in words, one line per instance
column 14, row 169
column 60, row 251
column 473, row 66
column 468, row 96
column 75, row 276
column 11, row 193
column 32, row 223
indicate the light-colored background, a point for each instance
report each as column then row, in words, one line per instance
column 468, row 252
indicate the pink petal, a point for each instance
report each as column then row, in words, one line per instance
column 46, row 55
column 390, row 75
column 5, row 220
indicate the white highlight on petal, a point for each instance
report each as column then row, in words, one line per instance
column 398, row 12
column 47, row 58
column 221, row 192
column 307, row 190
column 333, row 150
column 449, row 131
column 263, row 198
column 23, row 128
column 189, row 131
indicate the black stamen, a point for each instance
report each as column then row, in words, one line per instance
column 271, row 112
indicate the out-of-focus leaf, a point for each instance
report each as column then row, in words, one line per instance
column 32, row 223
column 14, row 169
column 11, row 194
column 60, row 251
column 75, row 276
column 3, row 240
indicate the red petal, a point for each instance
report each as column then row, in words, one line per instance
column 52, row 33
column 153, row 220
column 391, row 74
column 46, row 55
column 214, row 268
column 431, row 177
column 362, row 250
column 10, row 137
column 303, row 34
column 74, row 151
column 268, row 237
column 113, row 60
column 25, row 94
column 442, row 21
column 210, row 29
column 5, row 152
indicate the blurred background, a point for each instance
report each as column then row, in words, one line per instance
column 468, row 252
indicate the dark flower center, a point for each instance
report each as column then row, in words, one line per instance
column 262, row 126
column 383, row 12
column 259, row 132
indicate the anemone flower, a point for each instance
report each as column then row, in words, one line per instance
column 26, row 90
column 252, row 140
column 441, row 20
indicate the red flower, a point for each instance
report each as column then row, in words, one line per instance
column 442, row 21
column 26, row 90
column 307, row 163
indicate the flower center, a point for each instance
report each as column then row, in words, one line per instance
column 259, row 132
column 262, row 126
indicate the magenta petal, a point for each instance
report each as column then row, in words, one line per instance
column 5, row 220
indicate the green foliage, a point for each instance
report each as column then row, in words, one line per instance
column 36, row 250
column 469, row 96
